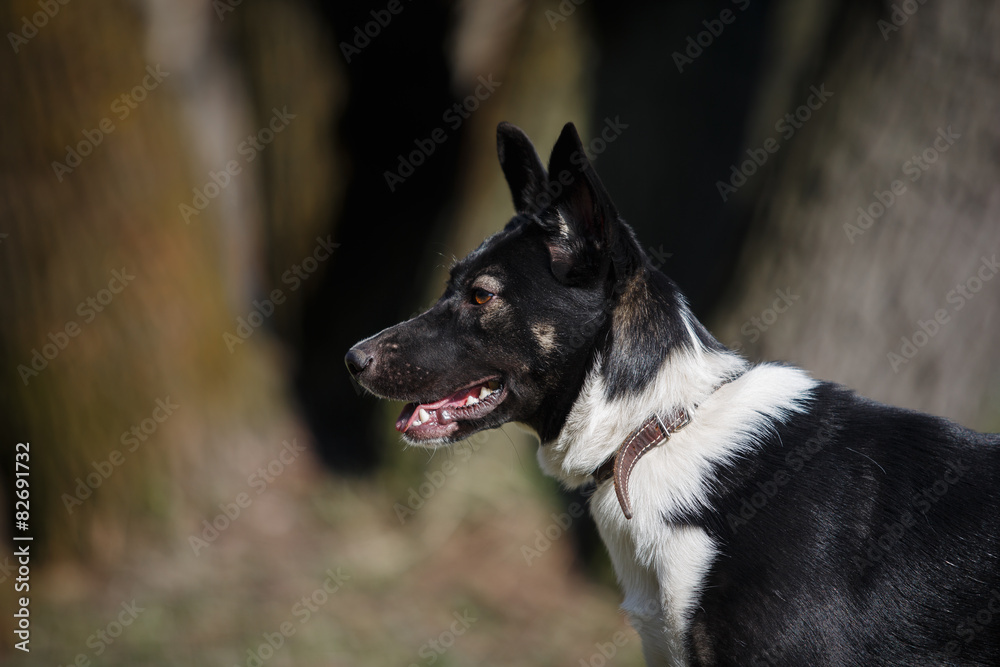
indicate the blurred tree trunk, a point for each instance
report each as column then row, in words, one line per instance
column 123, row 302
column 914, row 103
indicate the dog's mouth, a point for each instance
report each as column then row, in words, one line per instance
column 439, row 419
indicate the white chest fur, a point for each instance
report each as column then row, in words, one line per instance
column 661, row 567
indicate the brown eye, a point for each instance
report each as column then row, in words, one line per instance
column 481, row 296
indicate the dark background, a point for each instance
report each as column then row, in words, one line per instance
column 239, row 316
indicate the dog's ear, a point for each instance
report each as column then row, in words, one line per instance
column 586, row 217
column 521, row 167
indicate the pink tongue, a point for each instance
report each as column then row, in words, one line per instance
column 457, row 399
column 406, row 417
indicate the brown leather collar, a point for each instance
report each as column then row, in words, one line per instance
column 641, row 440
column 651, row 433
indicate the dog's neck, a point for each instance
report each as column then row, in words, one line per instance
column 652, row 357
column 653, row 432
column 596, row 424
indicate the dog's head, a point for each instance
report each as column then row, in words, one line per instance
column 516, row 329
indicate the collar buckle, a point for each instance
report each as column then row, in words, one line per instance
column 651, row 433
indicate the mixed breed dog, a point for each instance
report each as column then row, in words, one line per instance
column 753, row 514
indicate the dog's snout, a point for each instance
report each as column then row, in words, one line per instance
column 357, row 361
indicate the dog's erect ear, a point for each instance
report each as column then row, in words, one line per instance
column 521, row 167
column 587, row 217
column 582, row 199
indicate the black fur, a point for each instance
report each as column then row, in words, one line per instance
column 568, row 261
column 859, row 534
column 854, row 534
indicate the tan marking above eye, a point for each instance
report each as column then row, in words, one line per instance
column 487, row 283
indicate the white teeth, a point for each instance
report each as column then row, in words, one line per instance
column 489, row 388
column 471, row 400
column 422, row 415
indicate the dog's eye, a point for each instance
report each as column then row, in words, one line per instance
column 481, row 296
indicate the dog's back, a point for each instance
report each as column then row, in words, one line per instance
column 857, row 534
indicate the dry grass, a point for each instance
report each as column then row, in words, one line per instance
column 403, row 582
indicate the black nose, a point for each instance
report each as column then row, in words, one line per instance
column 357, row 361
